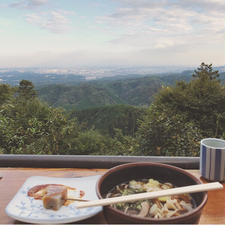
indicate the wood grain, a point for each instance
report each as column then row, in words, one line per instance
column 13, row 178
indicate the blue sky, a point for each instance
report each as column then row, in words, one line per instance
column 70, row 33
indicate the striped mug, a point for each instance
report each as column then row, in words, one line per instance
column 212, row 159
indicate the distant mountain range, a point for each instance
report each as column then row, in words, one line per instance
column 14, row 77
column 47, row 76
column 72, row 91
column 136, row 91
column 95, row 94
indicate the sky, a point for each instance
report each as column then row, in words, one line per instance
column 71, row 33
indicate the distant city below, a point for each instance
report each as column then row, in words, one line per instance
column 91, row 73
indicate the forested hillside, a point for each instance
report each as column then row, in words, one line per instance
column 138, row 91
column 108, row 118
column 179, row 116
column 81, row 96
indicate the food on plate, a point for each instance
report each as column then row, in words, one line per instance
column 162, row 207
column 54, row 195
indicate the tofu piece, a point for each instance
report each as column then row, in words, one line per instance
column 55, row 197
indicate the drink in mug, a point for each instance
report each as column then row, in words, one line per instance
column 212, row 159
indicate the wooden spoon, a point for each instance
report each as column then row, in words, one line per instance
column 151, row 195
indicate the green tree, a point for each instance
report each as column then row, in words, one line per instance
column 6, row 93
column 123, row 144
column 185, row 113
column 29, row 126
column 206, row 71
column 163, row 132
column 108, row 118
column 202, row 101
column 90, row 142
column 26, row 90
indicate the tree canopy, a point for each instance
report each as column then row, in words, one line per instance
column 183, row 114
column 173, row 125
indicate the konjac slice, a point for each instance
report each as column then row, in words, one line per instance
column 55, row 197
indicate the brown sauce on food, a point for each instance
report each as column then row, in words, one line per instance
column 34, row 190
column 39, row 192
column 82, row 193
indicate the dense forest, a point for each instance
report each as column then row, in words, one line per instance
column 136, row 91
column 136, row 116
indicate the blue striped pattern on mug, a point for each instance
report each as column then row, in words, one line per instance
column 212, row 163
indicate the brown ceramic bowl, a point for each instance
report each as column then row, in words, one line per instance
column 162, row 172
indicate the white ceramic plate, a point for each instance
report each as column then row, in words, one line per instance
column 29, row 210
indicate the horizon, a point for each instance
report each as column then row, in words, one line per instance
column 111, row 33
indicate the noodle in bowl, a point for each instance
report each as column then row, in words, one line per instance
column 134, row 178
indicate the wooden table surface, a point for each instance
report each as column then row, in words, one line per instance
column 11, row 179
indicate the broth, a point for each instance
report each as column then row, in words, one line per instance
column 162, row 207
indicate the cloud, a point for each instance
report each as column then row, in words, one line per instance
column 54, row 21
column 169, row 14
column 136, row 32
column 208, row 5
column 158, row 24
column 28, row 4
column 204, row 5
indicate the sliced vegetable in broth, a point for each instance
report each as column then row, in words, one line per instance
column 162, row 207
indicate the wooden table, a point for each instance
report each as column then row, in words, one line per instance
column 11, row 179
